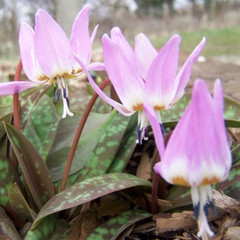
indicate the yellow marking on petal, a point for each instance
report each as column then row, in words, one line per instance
column 179, row 180
column 159, row 107
column 207, row 181
column 52, row 81
column 43, row 78
column 138, row 107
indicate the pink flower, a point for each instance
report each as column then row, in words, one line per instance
column 47, row 54
column 197, row 153
column 143, row 74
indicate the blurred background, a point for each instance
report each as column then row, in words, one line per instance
column 156, row 18
column 218, row 20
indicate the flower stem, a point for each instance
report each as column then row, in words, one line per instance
column 78, row 134
column 16, row 103
column 159, row 185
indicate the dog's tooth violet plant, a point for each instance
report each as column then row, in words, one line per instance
column 197, row 154
column 47, row 55
column 144, row 74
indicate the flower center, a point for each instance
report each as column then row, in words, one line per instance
column 142, row 130
column 62, row 89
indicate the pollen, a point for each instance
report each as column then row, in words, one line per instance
column 180, row 181
column 138, row 107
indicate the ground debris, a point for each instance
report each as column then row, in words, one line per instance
column 172, row 222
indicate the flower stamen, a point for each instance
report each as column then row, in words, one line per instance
column 202, row 199
column 62, row 89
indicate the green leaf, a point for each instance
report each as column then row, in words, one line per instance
column 34, row 169
column 115, row 226
column 4, row 110
column 50, row 228
column 93, row 130
column 105, row 151
column 41, row 126
column 231, row 111
column 89, row 190
column 7, row 118
column 7, row 177
column 19, row 204
column 126, row 147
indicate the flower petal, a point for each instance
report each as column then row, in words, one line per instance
column 149, row 111
column 118, row 38
column 29, row 61
column 122, row 73
column 183, row 76
column 144, row 54
column 94, row 34
column 119, row 107
column 80, row 38
column 96, row 66
column 51, row 45
column 197, row 153
column 160, row 79
column 9, row 88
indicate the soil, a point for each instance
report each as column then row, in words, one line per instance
column 228, row 71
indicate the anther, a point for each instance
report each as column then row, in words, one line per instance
column 139, row 134
column 146, row 135
column 196, row 210
column 162, row 129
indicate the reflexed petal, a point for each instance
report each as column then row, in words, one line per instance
column 161, row 75
column 30, row 64
column 80, row 39
column 96, row 66
column 144, row 54
column 183, row 76
column 149, row 111
column 9, row 88
column 51, row 45
column 118, row 38
column 119, row 107
column 94, row 34
column 122, row 73
column 197, row 153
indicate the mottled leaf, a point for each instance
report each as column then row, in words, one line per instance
column 105, row 151
column 93, row 130
column 29, row 99
column 7, row 177
column 50, row 228
column 126, row 147
column 231, row 110
column 5, row 109
column 115, row 226
column 19, row 204
column 41, row 125
column 7, row 118
column 35, row 173
column 89, row 190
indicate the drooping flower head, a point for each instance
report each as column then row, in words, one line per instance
column 144, row 74
column 197, row 154
column 47, row 54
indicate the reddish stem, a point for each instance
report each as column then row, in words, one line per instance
column 16, row 103
column 79, row 133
